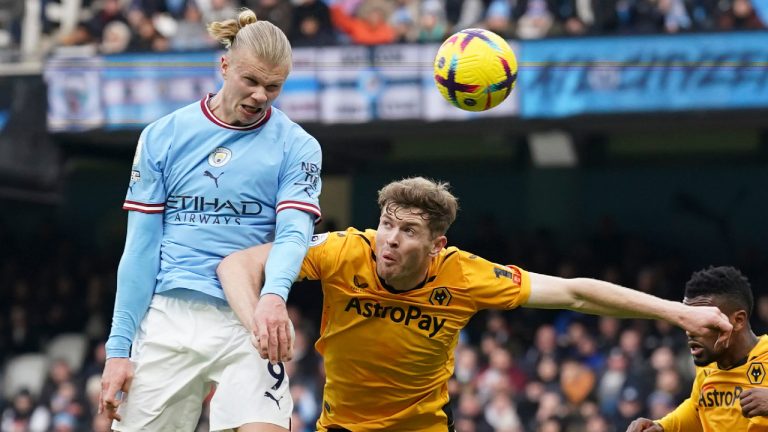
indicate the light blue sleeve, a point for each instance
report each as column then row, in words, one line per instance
column 294, row 229
column 136, row 278
column 300, row 181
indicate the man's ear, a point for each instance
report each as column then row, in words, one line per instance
column 739, row 320
column 437, row 245
column 224, row 66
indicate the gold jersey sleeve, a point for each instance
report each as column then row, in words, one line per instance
column 714, row 404
column 388, row 354
column 685, row 417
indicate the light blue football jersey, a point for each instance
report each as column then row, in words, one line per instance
column 219, row 187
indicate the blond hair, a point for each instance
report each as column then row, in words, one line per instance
column 432, row 199
column 261, row 38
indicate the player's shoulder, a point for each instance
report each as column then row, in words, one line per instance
column 467, row 266
column 348, row 247
column 455, row 262
column 454, row 256
column 450, row 254
column 167, row 124
column 188, row 113
column 294, row 133
column 340, row 238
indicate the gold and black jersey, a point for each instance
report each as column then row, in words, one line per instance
column 714, row 404
column 389, row 354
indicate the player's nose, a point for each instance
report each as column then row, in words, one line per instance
column 259, row 95
column 392, row 238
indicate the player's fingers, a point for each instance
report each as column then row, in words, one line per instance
column 262, row 338
column 274, row 344
column 112, row 413
column 640, row 425
column 724, row 339
column 255, row 341
column 283, row 338
column 748, row 407
column 126, row 387
column 110, row 408
column 101, row 402
column 289, row 350
column 726, row 329
column 289, row 345
column 108, row 391
column 635, row 426
column 264, row 347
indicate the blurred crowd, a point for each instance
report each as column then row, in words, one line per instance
column 517, row 371
column 113, row 26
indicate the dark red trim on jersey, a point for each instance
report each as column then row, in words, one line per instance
column 143, row 207
column 299, row 205
column 282, row 205
column 212, row 117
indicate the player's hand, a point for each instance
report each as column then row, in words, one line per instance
column 701, row 321
column 754, row 402
column 644, row 425
column 272, row 329
column 117, row 377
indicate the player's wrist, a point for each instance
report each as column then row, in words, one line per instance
column 118, row 354
column 117, row 346
column 276, row 291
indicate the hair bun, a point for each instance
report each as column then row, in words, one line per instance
column 246, row 17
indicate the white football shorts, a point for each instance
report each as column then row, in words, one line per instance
column 184, row 347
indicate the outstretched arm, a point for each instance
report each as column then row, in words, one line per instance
column 241, row 275
column 603, row 298
column 271, row 324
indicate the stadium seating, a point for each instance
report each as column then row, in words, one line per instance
column 25, row 371
column 70, row 347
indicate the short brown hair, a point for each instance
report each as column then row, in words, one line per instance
column 437, row 204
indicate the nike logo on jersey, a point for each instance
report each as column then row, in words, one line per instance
column 215, row 179
column 396, row 314
column 277, row 401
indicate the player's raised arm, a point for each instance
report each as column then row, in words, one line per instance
column 603, row 298
column 242, row 275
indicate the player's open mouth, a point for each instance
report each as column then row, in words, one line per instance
column 388, row 257
column 251, row 110
column 696, row 349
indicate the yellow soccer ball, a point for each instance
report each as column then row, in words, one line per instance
column 475, row 69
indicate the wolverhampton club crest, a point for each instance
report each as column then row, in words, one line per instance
column 440, row 296
column 219, row 157
column 756, row 373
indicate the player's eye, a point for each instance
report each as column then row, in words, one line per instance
column 273, row 87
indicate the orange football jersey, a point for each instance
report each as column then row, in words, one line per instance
column 714, row 404
column 389, row 354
